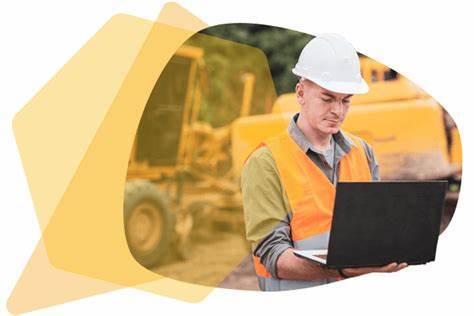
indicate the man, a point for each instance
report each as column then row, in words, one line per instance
column 288, row 181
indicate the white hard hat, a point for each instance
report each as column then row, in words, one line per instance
column 331, row 62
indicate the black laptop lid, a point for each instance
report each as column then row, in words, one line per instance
column 376, row 223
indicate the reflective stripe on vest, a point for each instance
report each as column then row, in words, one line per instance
column 311, row 196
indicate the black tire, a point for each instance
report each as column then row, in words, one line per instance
column 149, row 222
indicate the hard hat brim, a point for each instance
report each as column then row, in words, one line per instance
column 360, row 87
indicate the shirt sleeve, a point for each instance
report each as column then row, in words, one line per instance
column 373, row 165
column 267, row 218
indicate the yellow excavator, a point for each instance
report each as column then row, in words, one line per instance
column 413, row 137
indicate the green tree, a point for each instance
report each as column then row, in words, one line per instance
column 281, row 46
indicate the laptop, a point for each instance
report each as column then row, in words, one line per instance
column 377, row 223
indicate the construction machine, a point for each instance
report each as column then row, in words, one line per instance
column 412, row 136
column 195, row 135
column 179, row 177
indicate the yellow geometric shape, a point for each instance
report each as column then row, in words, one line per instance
column 75, row 138
column 29, row 293
column 54, row 130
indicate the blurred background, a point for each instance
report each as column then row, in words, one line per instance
column 224, row 91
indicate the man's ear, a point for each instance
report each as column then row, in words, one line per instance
column 299, row 89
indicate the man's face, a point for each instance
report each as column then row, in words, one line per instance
column 323, row 110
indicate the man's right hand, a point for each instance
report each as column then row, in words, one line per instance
column 392, row 267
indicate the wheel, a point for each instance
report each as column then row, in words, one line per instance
column 148, row 221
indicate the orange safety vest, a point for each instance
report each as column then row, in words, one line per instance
column 310, row 193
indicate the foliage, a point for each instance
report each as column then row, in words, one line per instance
column 226, row 65
column 281, row 47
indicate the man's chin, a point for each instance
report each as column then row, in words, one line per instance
column 328, row 129
column 331, row 130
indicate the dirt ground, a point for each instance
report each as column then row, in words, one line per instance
column 222, row 261
column 449, row 209
column 243, row 277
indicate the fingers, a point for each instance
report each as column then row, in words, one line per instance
column 350, row 272
column 392, row 267
column 401, row 266
column 387, row 268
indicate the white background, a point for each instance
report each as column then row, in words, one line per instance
column 429, row 43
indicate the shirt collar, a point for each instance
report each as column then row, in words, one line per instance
column 344, row 142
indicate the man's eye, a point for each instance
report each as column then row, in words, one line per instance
column 327, row 100
column 346, row 100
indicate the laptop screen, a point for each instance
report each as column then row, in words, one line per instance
column 376, row 223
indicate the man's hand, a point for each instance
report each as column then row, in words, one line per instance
column 392, row 267
column 292, row 267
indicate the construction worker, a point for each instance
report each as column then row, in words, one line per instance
column 288, row 181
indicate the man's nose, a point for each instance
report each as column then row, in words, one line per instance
column 337, row 108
